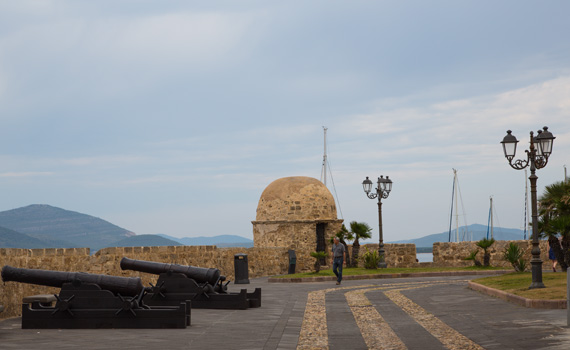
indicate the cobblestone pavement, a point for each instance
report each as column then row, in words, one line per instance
column 407, row 313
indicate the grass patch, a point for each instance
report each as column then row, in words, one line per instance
column 517, row 283
column 355, row 271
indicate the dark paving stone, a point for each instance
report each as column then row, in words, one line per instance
column 343, row 330
column 493, row 323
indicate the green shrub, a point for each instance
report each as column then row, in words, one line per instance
column 485, row 244
column 318, row 257
column 513, row 254
column 371, row 259
column 473, row 256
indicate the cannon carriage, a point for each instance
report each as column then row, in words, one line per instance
column 92, row 301
column 205, row 287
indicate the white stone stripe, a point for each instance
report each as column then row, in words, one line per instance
column 314, row 334
column 448, row 336
column 376, row 332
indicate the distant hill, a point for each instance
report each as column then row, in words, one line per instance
column 476, row 230
column 145, row 241
column 12, row 239
column 220, row 240
column 62, row 228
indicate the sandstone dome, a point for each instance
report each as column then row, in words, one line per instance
column 296, row 198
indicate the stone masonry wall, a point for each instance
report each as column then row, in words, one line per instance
column 292, row 234
column 397, row 255
column 261, row 262
column 453, row 253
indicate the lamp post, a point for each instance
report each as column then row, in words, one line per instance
column 537, row 158
column 382, row 191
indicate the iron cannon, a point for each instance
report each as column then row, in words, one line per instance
column 203, row 286
column 126, row 286
column 199, row 274
column 92, row 301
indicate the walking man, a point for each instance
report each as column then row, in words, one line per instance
column 339, row 254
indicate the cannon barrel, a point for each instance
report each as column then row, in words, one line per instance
column 199, row 274
column 126, row 286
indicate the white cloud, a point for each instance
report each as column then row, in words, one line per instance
column 26, row 174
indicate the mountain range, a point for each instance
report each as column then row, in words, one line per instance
column 472, row 232
column 220, row 241
column 45, row 226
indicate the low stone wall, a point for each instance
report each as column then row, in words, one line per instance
column 454, row 253
column 261, row 262
column 397, row 255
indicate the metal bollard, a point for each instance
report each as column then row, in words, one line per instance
column 292, row 261
column 241, row 269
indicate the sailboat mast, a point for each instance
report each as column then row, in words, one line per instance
column 526, row 206
column 324, row 169
column 451, row 214
column 491, row 209
column 456, row 210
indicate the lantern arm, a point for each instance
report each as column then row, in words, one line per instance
column 520, row 164
column 385, row 194
column 372, row 195
column 540, row 161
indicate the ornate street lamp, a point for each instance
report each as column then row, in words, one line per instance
column 537, row 158
column 382, row 191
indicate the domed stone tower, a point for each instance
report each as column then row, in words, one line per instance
column 297, row 212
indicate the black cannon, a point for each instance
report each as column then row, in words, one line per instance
column 198, row 274
column 205, row 287
column 92, row 301
column 126, row 286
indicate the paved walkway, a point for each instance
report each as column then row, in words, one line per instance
column 405, row 313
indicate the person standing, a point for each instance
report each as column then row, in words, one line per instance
column 339, row 254
column 552, row 257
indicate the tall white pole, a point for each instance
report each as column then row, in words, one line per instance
column 324, row 170
column 456, row 212
column 491, row 198
column 527, row 205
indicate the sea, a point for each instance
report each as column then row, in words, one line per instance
column 424, row 257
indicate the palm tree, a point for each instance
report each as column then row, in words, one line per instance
column 319, row 256
column 554, row 211
column 344, row 235
column 360, row 230
column 485, row 244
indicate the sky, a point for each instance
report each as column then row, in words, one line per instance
column 172, row 117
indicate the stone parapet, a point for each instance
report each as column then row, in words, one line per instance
column 454, row 253
column 397, row 255
column 261, row 262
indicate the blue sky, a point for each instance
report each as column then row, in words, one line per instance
column 173, row 116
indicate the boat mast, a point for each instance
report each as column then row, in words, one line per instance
column 526, row 221
column 452, row 196
column 490, row 224
column 456, row 210
column 324, row 168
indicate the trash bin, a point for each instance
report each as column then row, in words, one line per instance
column 241, row 269
column 292, row 261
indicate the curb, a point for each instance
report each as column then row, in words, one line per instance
column 515, row 299
column 387, row 275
